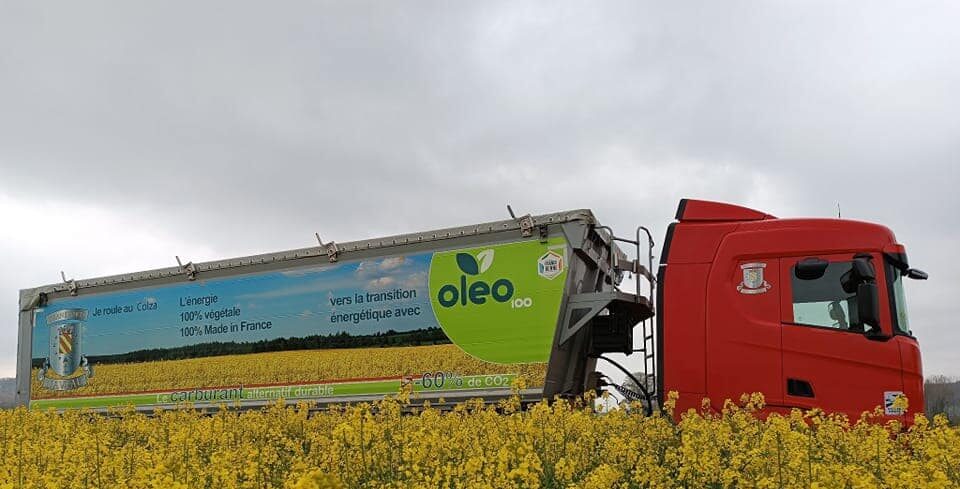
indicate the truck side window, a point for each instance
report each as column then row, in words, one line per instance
column 823, row 302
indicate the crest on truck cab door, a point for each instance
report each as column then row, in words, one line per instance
column 753, row 282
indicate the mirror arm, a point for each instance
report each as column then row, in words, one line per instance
column 878, row 335
column 913, row 273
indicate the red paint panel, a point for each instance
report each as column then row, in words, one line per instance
column 704, row 210
column 809, row 237
column 697, row 243
column 743, row 328
column 683, row 334
column 687, row 401
column 848, row 372
column 912, row 373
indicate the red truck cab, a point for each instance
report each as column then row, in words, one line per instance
column 809, row 312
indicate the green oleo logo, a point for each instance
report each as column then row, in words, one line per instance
column 496, row 302
column 478, row 291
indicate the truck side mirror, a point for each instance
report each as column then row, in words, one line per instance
column 861, row 271
column 810, row 268
column 916, row 274
column 863, row 268
column 868, row 305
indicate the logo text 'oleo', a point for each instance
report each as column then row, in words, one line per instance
column 476, row 292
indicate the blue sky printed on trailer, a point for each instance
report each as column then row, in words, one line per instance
column 296, row 301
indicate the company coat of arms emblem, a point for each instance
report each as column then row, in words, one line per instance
column 65, row 368
column 753, row 282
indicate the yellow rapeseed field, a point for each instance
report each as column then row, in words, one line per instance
column 288, row 367
column 473, row 446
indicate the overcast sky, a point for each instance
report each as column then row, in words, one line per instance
column 132, row 132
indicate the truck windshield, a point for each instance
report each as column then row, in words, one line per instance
column 898, row 300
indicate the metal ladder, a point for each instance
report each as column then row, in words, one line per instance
column 649, row 381
column 649, row 351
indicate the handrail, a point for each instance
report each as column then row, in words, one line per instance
column 636, row 242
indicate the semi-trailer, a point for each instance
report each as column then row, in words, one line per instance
column 808, row 312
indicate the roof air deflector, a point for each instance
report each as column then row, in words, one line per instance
column 705, row 210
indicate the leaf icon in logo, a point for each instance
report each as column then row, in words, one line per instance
column 485, row 258
column 467, row 264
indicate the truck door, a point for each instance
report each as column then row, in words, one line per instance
column 830, row 359
column 743, row 333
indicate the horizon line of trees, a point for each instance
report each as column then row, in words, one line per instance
column 942, row 395
column 341, row 340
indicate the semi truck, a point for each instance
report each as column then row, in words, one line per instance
column 808, row 312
